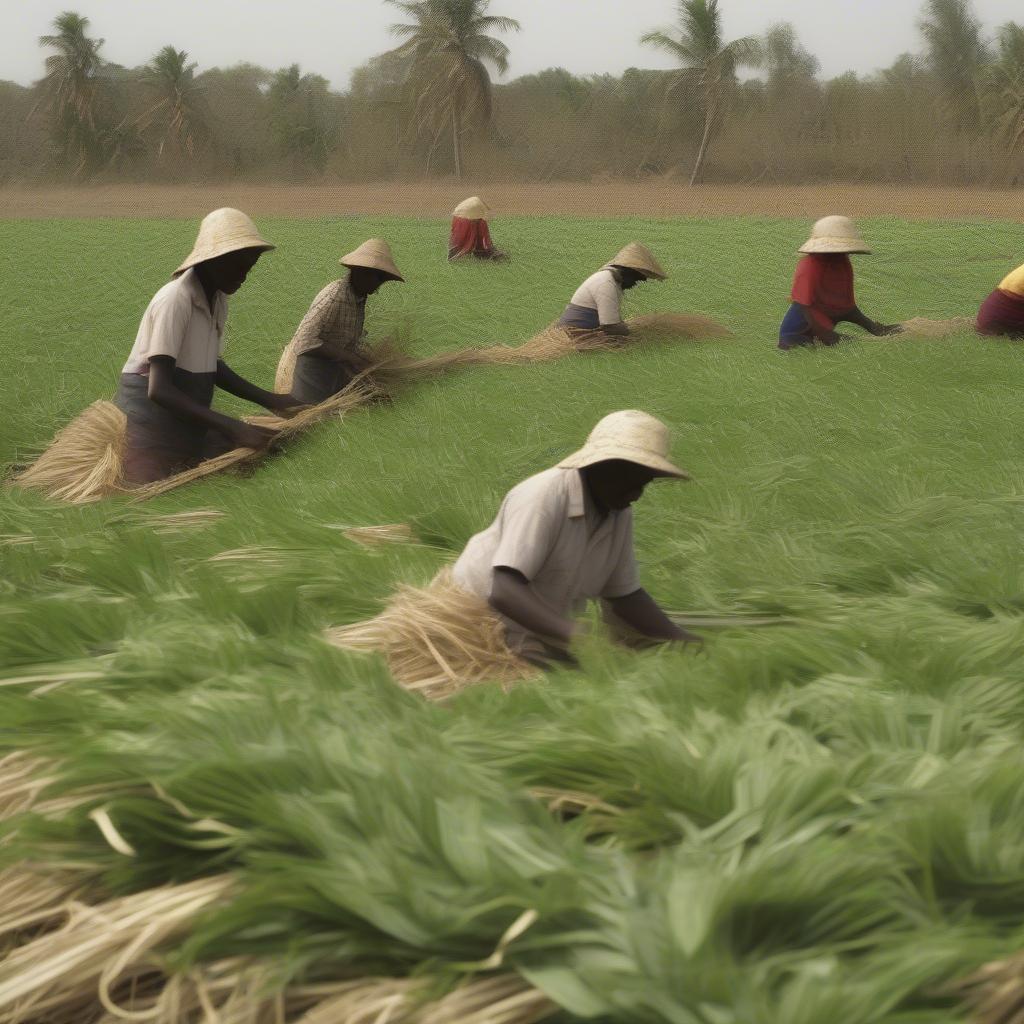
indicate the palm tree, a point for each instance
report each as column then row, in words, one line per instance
column 180, row 104
column 74, row 84
column 301, row 118
column 450, row 49
column 956, row 55
column 706, row 61
column 1004, row 81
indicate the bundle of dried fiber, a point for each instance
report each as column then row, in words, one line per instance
column 922, row 327
column 375, row 536
column 555, row 341
column 995, row 992
column 100, row 951
column 676, row 326
column 83, row 462
column 437, row 640
column 23, row 777
column 504, row 999
column 356, row 395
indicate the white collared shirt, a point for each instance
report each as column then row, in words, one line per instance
column 601, row 291
column 178, row 323
column 548, row 529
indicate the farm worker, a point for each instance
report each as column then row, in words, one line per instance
column 566, row 535
column 597, row 303
column 1002, row 313
column 167, row 384
column 328, row 346
column 822, row 293
column 470, row 235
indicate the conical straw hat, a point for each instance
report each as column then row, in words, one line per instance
column 631, row 435
column 834, row 234
column 223, row 231
column 638, row 257
column 473, row 208
column 375, row 254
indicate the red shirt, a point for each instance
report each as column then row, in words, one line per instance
column 468, row 237
column 823, row 282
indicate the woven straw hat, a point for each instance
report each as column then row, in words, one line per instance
column 630, row 435
column 473, row 208
column 375, row 254
column 638, row 257
column 223, row 231
column 834, row 234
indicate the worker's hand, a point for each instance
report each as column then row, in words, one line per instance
column 883, row 330
column 246, row 435
column 285, row 406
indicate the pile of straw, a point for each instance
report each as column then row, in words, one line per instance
column 437, row 640
column 83, row 463
column 922, row 327
column 995, row 992
column 555, row 341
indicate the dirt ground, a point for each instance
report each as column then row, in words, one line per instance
column 612, row 199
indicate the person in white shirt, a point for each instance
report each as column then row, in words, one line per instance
column 597, row 303
column 565, row 536
column 166, row 386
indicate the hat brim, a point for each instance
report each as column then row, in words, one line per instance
column 198, row 256
column 645, row 272
column 391, row 274
column 591, row 455
column 851, row 246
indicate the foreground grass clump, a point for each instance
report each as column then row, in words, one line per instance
column 818, row 821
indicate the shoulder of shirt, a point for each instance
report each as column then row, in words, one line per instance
column 174, row 293
column 549, row 484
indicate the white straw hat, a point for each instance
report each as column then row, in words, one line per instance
column 834, row 234
column 374, row 254
column 223, row 231
column 631, row 435
column 473, row 208
column 638, row 257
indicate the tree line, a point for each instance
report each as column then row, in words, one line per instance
column 953, row 113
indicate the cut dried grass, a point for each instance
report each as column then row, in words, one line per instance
column 555, row 341
column 437, row 640
column 504, row 999
column 994, row 993
column 385, row 533
column 922, row 327
column 83, row 462
column 99, row 951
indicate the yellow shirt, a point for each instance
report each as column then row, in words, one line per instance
column 1014, row 282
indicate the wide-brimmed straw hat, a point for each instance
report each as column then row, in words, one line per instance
column 473, row 208
column 639, row 258
column 223, row 231
column 374, row 254
column 834, row 234
column 631, row 435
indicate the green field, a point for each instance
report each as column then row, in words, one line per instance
column 814, row 823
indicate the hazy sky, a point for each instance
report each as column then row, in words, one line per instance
column 332, row 37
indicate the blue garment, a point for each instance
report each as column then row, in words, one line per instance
column 581, row 317
column 795, row 329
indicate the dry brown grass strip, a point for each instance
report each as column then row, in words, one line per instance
column 99, row 950
column 922, row 327
column 436, row 640
column 376, row 536
column 994, row 994
column 83, row 462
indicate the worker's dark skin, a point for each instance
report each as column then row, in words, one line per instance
column 852, row 316
column 224, row 274
column 628, row 278
column 364, row 281
column 613, row 485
